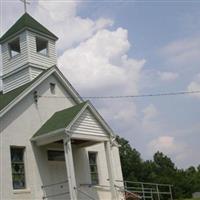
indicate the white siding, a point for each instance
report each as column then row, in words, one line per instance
column 39, row 59
column 10, row 64
column 16, row 80
column 87, row 124
column 35, row 72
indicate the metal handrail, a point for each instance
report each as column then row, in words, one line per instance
column 145, row 183
column 86, row 194
column 122, row 189
column 55, row 195
column 140, row 188
column 106, row 187
column 53, row 184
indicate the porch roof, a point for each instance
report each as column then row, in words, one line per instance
column 60, row 120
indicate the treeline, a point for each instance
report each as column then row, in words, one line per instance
column 159, row 170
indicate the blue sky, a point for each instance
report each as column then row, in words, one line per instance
column 131, row 47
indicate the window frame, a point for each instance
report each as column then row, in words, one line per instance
column 47, row 48
column 21, row 163
column 96, row 165
column 9, row 47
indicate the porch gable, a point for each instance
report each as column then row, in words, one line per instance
column 80, row 121
column 87, row 124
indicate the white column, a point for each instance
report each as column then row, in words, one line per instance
column 70, row 168
column 110, row 169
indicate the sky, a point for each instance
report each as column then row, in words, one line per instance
column 129, row 47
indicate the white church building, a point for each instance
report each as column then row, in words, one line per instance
column 53, row 144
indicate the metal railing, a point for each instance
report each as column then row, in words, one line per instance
column 49, row 190
column 119, row 189
column 127, row 193
column 153, row 191
column 136, row 190
column 85, row 194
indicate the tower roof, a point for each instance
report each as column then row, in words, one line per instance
column 26, row 22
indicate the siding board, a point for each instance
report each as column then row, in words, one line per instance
column 16, row 80
column 87, row 124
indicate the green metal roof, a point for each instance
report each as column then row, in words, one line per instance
column 8, row 97
column 26, row 21
column 60, row 119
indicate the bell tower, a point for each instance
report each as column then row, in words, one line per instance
column 28, row 49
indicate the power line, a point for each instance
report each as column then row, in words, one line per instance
column 130, row 96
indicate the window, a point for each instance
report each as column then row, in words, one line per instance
column 14, row 47
column 93, row 167
column 53, row 88
column 56, row 155
column 42, row 46
column 18, row 170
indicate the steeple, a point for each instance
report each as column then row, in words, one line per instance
column 27, row 49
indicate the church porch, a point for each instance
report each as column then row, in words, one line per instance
column 81, row 133
column 65, row 168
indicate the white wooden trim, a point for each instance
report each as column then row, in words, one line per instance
column 88, row 137
column 49, row 137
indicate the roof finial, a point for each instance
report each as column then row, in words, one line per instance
column 25, row 5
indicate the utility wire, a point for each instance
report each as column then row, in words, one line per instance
column 130, row 96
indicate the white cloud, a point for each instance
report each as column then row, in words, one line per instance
column 163, row 143
column 150, row 121
column 183, row 51
column 66, row 24
column 168, row 145
column 150, row 112
column 182, row 153
column 59, row 11
column 168, row 76
column 195, row 86
column 124, row 113
column 101, row 64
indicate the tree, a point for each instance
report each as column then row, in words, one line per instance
column 159, row 170
column 198, row 168
column 130, row 161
